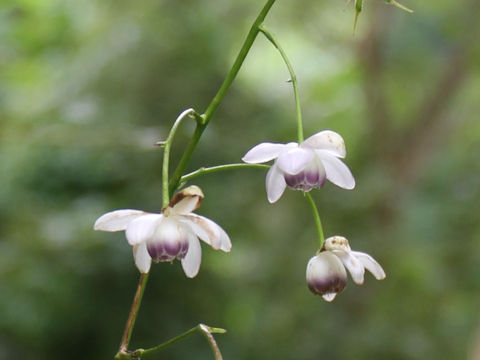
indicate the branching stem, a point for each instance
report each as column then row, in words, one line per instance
column 247, row 44
column 205, row 330
column 208, row 170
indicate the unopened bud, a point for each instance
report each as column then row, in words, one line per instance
column 326, row 275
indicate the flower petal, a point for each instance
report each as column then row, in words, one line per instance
column 275, row 184
column 327, row 140
column 337, row 172
column 208, row 231
column 353, row 265
column 186, row 200
column 191, row 261
column 142, row 228
column 142, row 258
column 370, row 264
column 329, row 297
column 117, row 220
column 264, row 152
column 294, row 160
column 186, row 205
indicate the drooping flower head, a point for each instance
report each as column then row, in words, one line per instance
column 326, row 275
column 305, row 166
column 173, row 234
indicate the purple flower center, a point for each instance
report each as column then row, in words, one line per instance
column 170, row 241
column 305, row 180
column 333, row 284
column 167, row 250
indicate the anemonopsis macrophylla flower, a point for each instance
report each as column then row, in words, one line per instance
column 326, row 275
column 173, row 234
column 305, row 166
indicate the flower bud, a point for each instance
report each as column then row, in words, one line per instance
column 326, row 275
column 170, row 241
column 337, row 243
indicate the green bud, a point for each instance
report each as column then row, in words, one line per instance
column 358, row 10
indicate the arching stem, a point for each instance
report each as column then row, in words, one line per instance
column 318, row 222
column 166, row 155
column 293, row 79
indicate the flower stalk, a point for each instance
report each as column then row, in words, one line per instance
column 318, row 222
column 293, row 79
column 213, row 169
column 166, row 155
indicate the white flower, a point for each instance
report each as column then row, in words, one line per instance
column 326, row 273
column 172, row 234
column 305, row 166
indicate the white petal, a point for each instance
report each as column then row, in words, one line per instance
column 370, row 264
column 142, row 258
column 186, row 200
column 329, row 297
column 337, row 172
column 294, row 160
column 353, row 265
column 142, row 228
column 264, row 152
column 327, row 140
column 117, row 220
column 186, row 205
column 191, row 261
column 275, row 183
column 209, row 231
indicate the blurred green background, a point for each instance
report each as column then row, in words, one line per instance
column 88, row 86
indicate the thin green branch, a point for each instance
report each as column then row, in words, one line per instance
column 293, row 78
column 247, row 44
column 127, row 333
column 208, row 170
column 400, row 6
column 205, row 330
column 166, row 155
column 318, row 222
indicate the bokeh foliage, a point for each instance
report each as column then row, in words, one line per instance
column 88, row 86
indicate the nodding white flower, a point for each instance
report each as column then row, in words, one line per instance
column 305, row 166
column 326, row 273
column 173, row 234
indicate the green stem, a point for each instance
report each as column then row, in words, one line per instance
column 202, row 328
column 293, row 78
column 318, row 222
column 208, row 170
column 166, row 155
column 247, row 44
column 127, row 334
